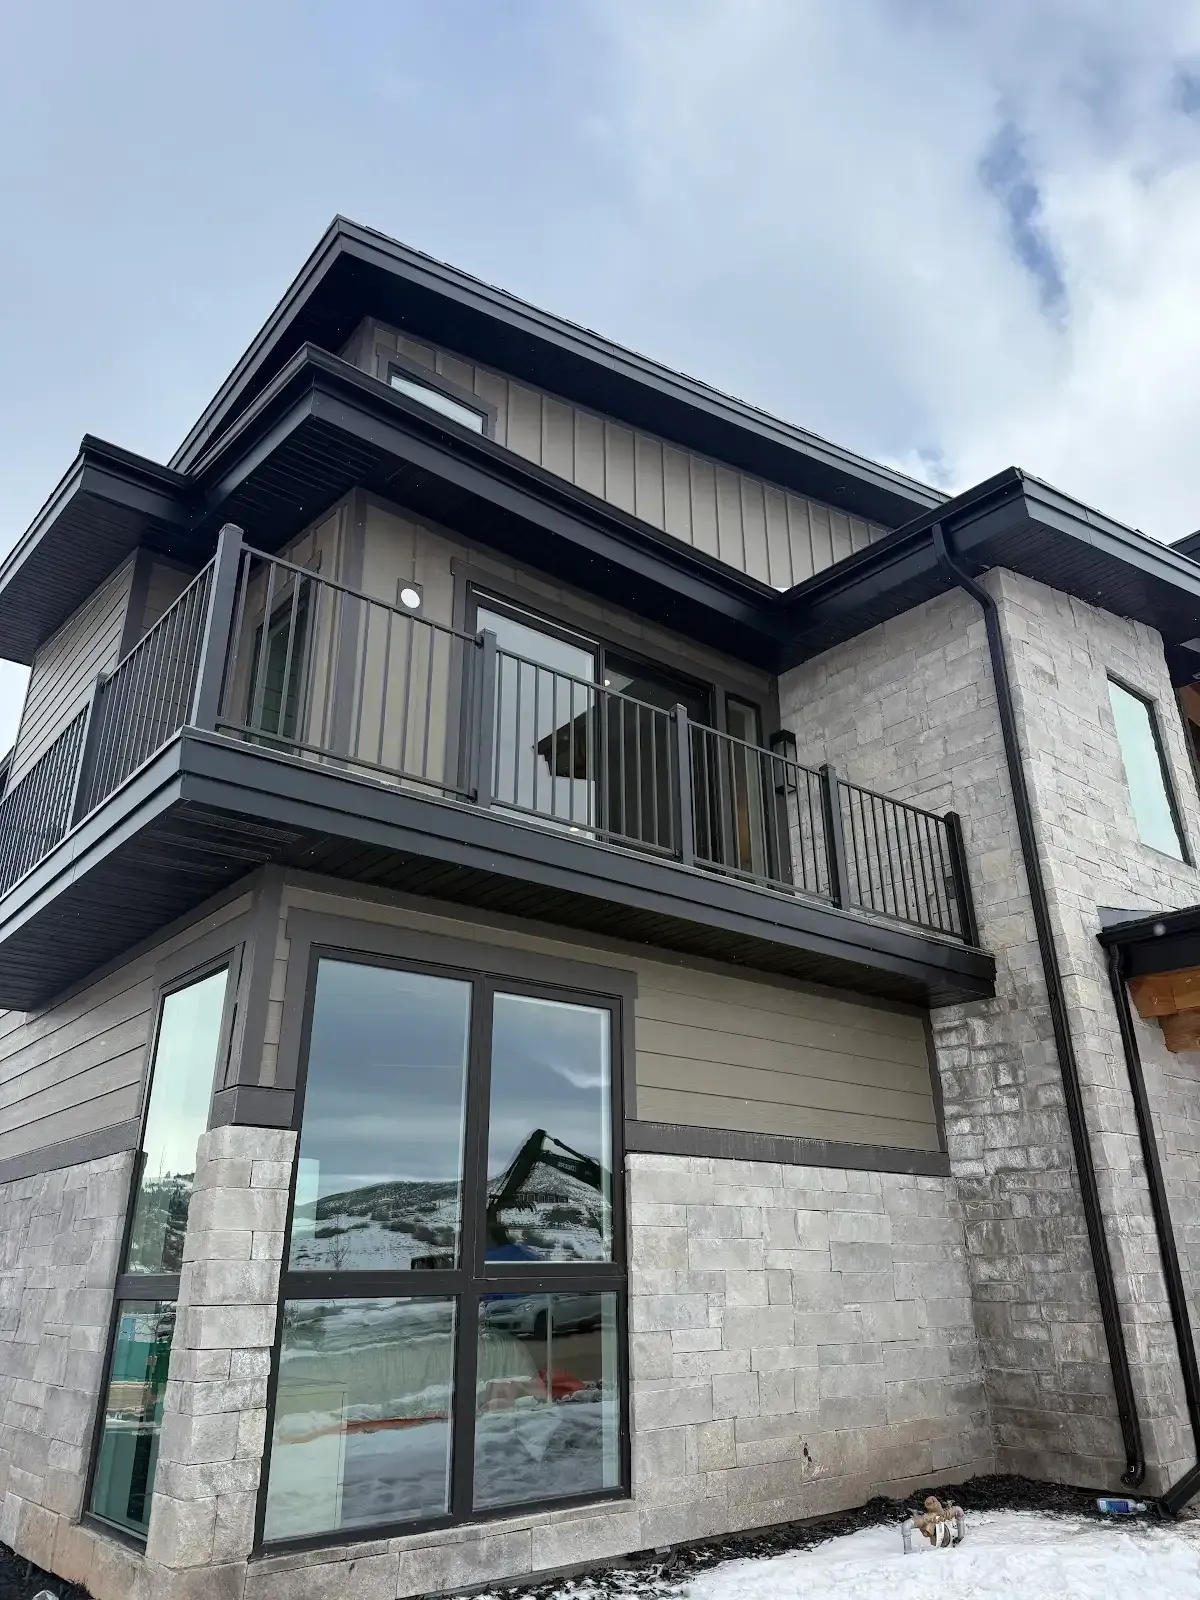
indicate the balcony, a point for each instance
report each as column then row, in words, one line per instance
column 275, row 716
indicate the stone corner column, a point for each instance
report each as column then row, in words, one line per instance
column 215, row 1407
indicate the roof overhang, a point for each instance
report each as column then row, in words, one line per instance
column 110, row 502
column 355, row 272
column 1017, row 522
column 1154, row 941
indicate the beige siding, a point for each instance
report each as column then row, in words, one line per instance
column 769, row 532
column 166, row 583
column 66, row 667
column 713, row 1049
column 78, row 1067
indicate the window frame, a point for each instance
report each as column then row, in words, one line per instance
column 489, row 973
column 1165, row 768
column 443, row 386
column 172, row 975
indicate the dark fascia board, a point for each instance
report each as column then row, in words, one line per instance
column 998, row 523
column 1189, row 545
column 1154, row 941
column 129, row 495
column 220, row 775
column 354, row 269
column 317, row 385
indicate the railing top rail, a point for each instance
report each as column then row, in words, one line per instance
column 900, row 805
column 358, row 594
column 159, row 620
column 757, row 749
column 583, row 683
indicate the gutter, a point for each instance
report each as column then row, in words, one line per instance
column 1118, row 1355
column 1180, row 1492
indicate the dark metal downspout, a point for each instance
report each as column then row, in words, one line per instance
column 1178, row 1495
column 1110, row 1314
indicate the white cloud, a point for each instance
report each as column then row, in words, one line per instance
column 822, row 182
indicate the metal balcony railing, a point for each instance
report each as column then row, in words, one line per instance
column 280, row 657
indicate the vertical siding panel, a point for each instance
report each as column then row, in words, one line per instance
column 648, row 479
column 495, row 391
column 589, row 453
column 731, row 545
column 704, row 505
column 822, row 536
column 525, row 422
column 457, row 371
column 677, row 494
column 618, row 466
column 421, row 355
column 779, row 548
column 558, row 438
column 839, row 529
column 804, row 562
column 754, row 528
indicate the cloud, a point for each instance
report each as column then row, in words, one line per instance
column 954, row 237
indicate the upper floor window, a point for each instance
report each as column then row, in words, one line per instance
column 437, row 398
column 1154, row 807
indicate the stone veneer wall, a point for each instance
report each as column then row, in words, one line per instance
column 909, row 708
column 802, row 1339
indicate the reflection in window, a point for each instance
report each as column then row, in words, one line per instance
column 1145, row 771
column 181, row 1086
column 549, row 1174
column 132, row 1418
column 547, row 1402
column 362, row 1415
column 379, row 1181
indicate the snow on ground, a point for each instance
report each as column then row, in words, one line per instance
column 1006, row 1554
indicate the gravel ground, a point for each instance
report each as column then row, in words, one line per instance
column 650, row 1574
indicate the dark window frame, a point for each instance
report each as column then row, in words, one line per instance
column 444, row 386
column 1165, row 769
column 473, row 1277
column 198, row 961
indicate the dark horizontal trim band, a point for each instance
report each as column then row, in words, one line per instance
column 542, row 1277
column 83, row 1147
column 729, row 1144
column 251, row 1105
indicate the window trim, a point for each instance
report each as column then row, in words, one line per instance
column 489, row 970
column 191, row 965
column 1165, row 768
column 444, row 386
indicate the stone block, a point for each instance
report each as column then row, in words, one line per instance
column 487, row 1559
column 592, row 1538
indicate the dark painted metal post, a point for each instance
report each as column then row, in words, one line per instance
column 835, row 839
column 485, row 721
column 685, row 813
column 218, row 623
column 93, row 723
column 968, row 926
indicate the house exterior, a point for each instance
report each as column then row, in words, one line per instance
column 582, row 968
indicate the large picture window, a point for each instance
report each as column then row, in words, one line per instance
column 449, row 1336
column 187, row 1048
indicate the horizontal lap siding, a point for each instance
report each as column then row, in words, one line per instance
column 67, row 665
column 77, row 1067
column 718, row 1051
column 759, row 528
column 732, row 1054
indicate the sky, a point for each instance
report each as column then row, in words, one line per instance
column 951, row 235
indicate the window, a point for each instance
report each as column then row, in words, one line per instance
column 186, row 1051
column 1150, row 793
column 277, row 675
column 437, row 399
column 452, row 1290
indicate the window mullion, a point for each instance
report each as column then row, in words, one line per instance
column 462, row 1460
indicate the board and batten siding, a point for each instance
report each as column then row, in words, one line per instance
column 67, row 665
column 78, row 1067
column 712, row 1049
column 758, row 527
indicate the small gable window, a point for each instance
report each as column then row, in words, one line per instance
column 437, row 399
column 1153, row 800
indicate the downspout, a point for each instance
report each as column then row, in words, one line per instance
column 1110, row 1314
column 1178, row 1495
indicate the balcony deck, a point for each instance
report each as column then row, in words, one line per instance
column 272, row 717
